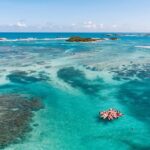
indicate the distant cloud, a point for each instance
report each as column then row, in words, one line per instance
column 89, row 25
column 85, row 26
column 101, row 26
column 114, row 26
column 21, row 24
column 73, row 24
column 15, row 27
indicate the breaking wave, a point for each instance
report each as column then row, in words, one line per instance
column 143, row 47
column 30, row 39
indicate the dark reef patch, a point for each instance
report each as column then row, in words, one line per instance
column 77, row 79
column 132, row 70
column 135, row 95
column 118, row 138
column 16, row 112
column 24, row 78
column 134, row 146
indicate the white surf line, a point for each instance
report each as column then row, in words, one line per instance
column 143, row 47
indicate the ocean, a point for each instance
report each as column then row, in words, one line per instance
column 75, row 81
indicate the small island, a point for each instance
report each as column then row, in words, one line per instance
column 80, row 39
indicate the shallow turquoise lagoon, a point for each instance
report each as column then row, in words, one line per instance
column 75, row 81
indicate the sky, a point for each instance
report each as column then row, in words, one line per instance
column 74, row 15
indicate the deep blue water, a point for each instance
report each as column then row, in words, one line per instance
column 77, row 80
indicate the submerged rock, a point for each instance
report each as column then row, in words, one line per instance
column 114, row 38
column 109, row 34
column 2, row 39
column 16, row 112
column 80, row 39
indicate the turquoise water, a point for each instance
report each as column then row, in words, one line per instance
column 77, row 80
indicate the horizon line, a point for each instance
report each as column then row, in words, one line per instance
column 73, row 32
